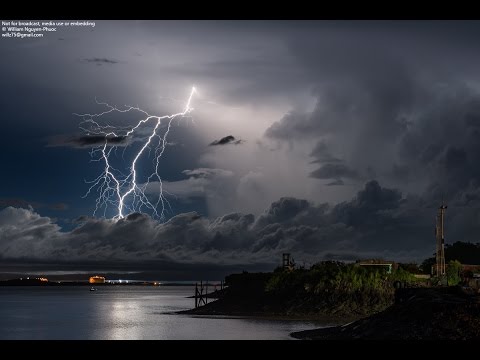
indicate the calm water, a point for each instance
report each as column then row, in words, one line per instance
column 127, row 312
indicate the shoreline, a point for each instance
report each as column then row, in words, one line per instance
column 418, row 314
column 446, row 313
column 328, row 320
column 318, row 319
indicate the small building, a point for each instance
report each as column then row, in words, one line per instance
column 378, row 264
column 470, row 270
column 96, row 280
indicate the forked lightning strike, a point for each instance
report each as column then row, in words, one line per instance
column 122, row 190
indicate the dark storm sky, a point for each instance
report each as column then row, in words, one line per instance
column 347, row 136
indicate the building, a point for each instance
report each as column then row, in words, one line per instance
column 96, row 280
column 378, row 264
column 469, row 271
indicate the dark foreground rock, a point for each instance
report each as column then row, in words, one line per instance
column 418, row 314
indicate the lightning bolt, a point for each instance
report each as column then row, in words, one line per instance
column 115, row 188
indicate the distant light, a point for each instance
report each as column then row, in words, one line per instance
column 96, row 280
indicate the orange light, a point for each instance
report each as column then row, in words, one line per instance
column 96, row 280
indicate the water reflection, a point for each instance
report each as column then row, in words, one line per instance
column 122, row 313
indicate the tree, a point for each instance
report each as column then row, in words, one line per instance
column 411, row 268
column 427, row 265
column 465, row 252
column 453, row 272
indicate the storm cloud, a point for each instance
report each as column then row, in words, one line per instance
column 376, row 222
column 326, row 106
column 335, row 171
column 384, row 111
column 88, row 141
column 230, row 139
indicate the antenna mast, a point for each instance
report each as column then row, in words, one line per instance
column 440, row 235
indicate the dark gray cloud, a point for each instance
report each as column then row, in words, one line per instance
column 87, row 141
column 377, row 221
column 337, row 182
column 443, row 146
column 81, row 219
column 390, row 111
column 134, row 216
column 206, row 173
column 22, row 203
column 334, row 171
column 100, row 61
column 58, row 206
column 376, row 197
column 4, row 202
column 333, row 168
column 322, row 154
column 230, row 139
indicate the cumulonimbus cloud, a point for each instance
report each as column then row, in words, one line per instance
column 377, row 221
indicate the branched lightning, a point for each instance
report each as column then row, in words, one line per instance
column 120, row 190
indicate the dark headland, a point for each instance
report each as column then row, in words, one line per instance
column 330, row 292
column 355, row 302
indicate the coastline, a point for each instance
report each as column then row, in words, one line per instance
column 324, row 319
column 446, row 313
column 418, row 314
column 305, row 295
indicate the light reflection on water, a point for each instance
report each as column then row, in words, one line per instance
column 123, row 312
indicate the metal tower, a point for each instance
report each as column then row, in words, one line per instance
column 440, row 235
column 288, row 262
